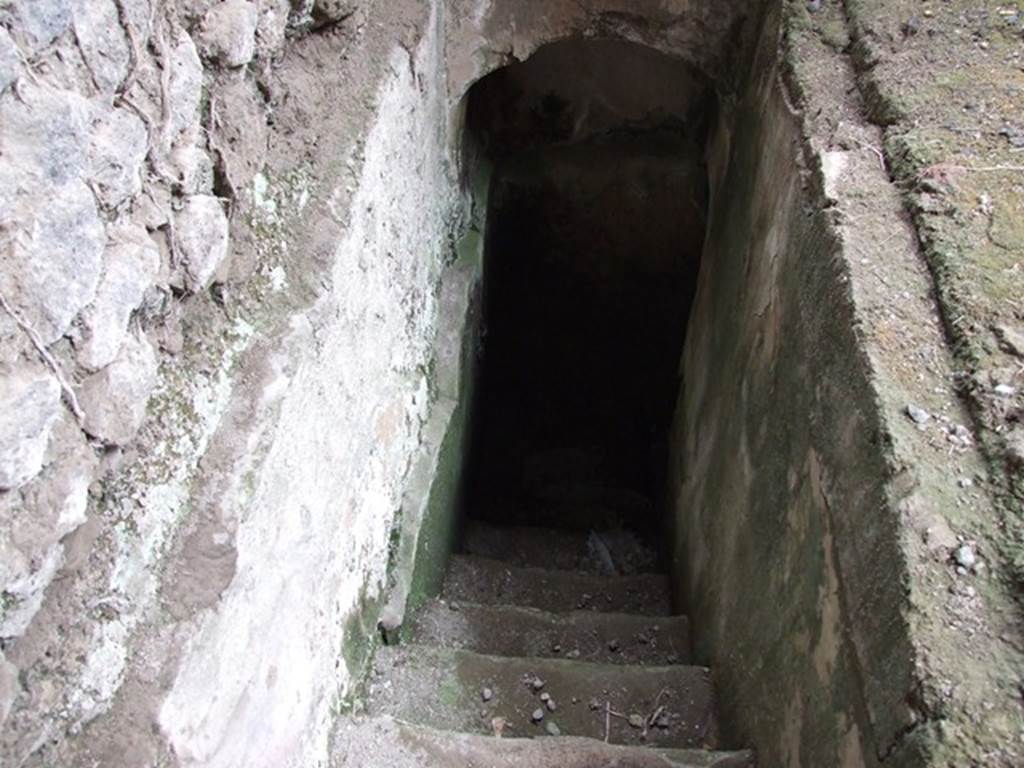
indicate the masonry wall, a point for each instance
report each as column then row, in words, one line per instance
column 815, row 522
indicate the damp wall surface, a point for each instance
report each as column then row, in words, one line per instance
column 814, row 523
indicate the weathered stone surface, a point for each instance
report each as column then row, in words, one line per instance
column 52, row 270
column 271, row 26
column 131, row 263
column 102, row 42
column 185, row 87
column 44, row 134
column 41, row 21
column 193, row 170
column 29, row 405
column 10, row 63
column 116, row 154
column 9, row 687
column 201, row 236
column 228, row 34
column 332, row 11
column 55, row 504
column 114, row 399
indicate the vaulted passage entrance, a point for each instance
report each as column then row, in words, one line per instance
column 596, row 222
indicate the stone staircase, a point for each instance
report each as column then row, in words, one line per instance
column 546, row 649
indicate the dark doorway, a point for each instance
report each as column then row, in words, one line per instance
column 594, row 233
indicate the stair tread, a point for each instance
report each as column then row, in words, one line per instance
column 442, row 688
column 385, row 741
column 615, row 552
column 476, row 579
column 611, row 638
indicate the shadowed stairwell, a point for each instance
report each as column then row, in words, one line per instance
column 556, row 618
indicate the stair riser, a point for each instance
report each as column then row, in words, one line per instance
column 583, row 636
column 490, row 582
column 442, row 689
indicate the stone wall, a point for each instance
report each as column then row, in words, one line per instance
column 817, row 513
column 225, row 237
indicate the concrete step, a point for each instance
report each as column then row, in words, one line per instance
column 491, row 582
column 384, row 741
column 609, row 552
column 671, row 706
column 501, row 630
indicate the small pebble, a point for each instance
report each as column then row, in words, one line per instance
column 595, row 704
column 918, row 415
column 537, row 716
column 964, row 556
column 552, row 729
column 1005, row 390
column 486, row 694
column 636, row 721
column 573, row 654
column 453, row 606
column 965, row 482
column 613, row 646
column 550, row 704
column 663, row 721
column 537, row 684
column 545, row 696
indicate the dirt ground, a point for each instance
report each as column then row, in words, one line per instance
column 946, row 81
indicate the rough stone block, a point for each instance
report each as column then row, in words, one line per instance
column 193, row 170
column 10, row 63
column 114, row 399
column 131, row 263
column 54, row 266
column 185, row 89
column 201, row 238
column 41, row 21
column 271, row 27
column 29, row 406
column 116, row 154
column 228, row 34
column 44, row 136
column 102, row 42
column 9, row 687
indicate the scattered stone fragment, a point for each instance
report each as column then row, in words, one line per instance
column 595, row 704
column 1005, row 390
column 557, row 648
column 918, row 415
column 114, row 399
column 552, row 729
column 201, row 235
column 117, row 151
column 965, row 482
column 29, row 406
column 102, row 42
column 545, row 696
column 573, row 654
column 131, row 264
column 636, row 721
column 10, row 63
column 453, row 606
column 965, row 556
column 228, row 33
column 550, row 704
column 498, row 726
column 538, row 715
column 486, row 694
column 663, row 721
column 613, row 646
column 1011, row 339
column 536, row 683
